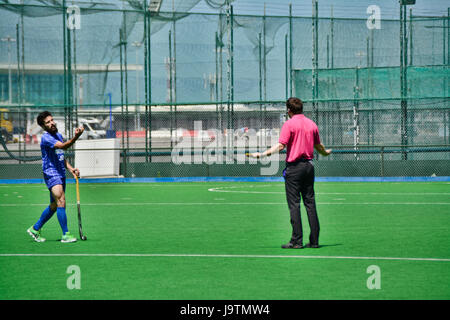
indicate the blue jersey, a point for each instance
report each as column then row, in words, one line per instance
column 52, row 158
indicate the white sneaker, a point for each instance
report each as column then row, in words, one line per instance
column 36, row 235
column 66, row 238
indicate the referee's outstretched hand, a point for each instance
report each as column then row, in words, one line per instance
column 321, row 149
column 253, row 155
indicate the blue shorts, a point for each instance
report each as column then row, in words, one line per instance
column 54, row 181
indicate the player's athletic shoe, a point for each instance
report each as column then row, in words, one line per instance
column 36, row 235
column 68, row 238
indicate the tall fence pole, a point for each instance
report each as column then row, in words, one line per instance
column 410, row 37
column 260, row 67
column 230, row 75
column 403, row 81
column 447, row 114
column 265, row 54
column 122, row 125
column 232, row 67
column 146, row 73
column 64, row 17
column 125, row 50
column 286, row 67
column 69, row 103
column 174, row 35
column 149, row 102
column 228, row 22
column 22, row 35
column 315, row 62
column 170, row 75
column 19, row 91
column 174, row 67
column 221, row 32
column 77, row 99
column 291, row 71
column 216, row 88
column 332, row 37
column 23, row 83
column 260, row 138
column 121, row 82
column 356, row 114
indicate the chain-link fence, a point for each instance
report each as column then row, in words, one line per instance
column 211, row 140
column 185, row 94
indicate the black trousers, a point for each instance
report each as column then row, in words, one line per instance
column 299, row 182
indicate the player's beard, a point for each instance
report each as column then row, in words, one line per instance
column 52, row 129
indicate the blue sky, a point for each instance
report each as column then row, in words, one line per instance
column 341, row 8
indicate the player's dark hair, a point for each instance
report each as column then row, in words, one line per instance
column 41, row 117
column 295, row 105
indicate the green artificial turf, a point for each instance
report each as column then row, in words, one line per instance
column 221, row 240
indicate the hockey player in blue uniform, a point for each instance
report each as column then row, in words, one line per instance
column 54, row 169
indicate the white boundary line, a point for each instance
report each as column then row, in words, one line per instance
column 168, row 255
column 222, row 189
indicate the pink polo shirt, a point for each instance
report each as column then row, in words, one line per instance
column 299, row 134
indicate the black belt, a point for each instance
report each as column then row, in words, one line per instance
column 293, row 163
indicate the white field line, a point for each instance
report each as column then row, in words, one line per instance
column 223, row 204
column 169, row 255
column 110, row 185
column 227, row 190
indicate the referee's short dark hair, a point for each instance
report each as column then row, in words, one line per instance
column 295, row 105
column 41, row 117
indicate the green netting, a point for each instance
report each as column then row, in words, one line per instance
column 148, row 70
column 374, row 83
column 189, row 58
column 365, row 140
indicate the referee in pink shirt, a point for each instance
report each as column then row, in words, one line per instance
column 301, row 136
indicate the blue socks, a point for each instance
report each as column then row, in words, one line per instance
column 45, row 216
column 62, row 218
